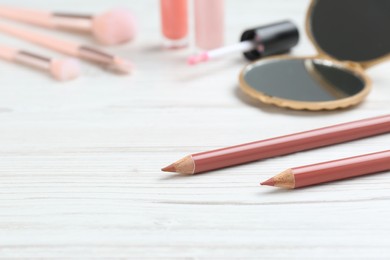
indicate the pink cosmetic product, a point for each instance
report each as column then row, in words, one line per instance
column 174, row 23
column 209, row 23
column 255, row 43
column 60, row 69
column 115, row 26
column 109, row 61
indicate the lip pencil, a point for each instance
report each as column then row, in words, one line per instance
column 60, row 69
column 307, row 175
column 114, row 63
column 239, row 154
column 112, row 27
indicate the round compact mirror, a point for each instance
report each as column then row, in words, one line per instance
column 349, row 35
column 305, row 83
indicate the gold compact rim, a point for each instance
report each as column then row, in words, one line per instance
column 322, row 53
column 302, row 105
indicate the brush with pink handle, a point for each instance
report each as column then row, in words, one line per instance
column 70, row 48
column 60, row 69
column 112, row 27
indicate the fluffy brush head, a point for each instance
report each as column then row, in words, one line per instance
column 114, row 27
column 65, row 69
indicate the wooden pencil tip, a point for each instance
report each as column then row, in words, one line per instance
column 169, row 168
column 269, row 182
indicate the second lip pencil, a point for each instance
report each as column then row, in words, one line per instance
column 307, row 175
column 234, row 155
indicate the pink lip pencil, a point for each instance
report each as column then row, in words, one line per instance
column 112, row 27
column 254, row 151
column 331, row 171
column 114, row 63
column 60, row 69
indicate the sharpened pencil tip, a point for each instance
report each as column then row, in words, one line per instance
column 269, row 182
column 169, row 168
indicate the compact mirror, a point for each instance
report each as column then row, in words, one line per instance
column 304, row 83
column 350, row 35
column 350, row 30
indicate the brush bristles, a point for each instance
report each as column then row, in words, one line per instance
column 114, row 27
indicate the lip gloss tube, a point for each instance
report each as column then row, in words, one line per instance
column 255, row 43
column 174, row 22
column 209, row 23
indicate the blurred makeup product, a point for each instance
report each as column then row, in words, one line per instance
column 350, row 36
column 174, row 22
column 313, row 174
column 256, row 43
column 243, row 153
column 115, row 26
column 109, row 61
column 209, row 23
column 60, row 69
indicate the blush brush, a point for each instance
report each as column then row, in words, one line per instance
column 115, row 26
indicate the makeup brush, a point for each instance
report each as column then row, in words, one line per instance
column 112, row 27
column 256, row 43
column 60, row 69
column 70, row 48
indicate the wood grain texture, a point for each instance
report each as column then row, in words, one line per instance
column 80, row 162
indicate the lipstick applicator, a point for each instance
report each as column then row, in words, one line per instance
column 255, row 43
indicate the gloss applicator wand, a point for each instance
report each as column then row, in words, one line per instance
column 255, row 43
column 114, row 26
column 109, row 61
column 60, row 69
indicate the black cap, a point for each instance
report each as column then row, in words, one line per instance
column 271, row 39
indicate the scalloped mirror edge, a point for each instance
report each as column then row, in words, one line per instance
column 303, row 105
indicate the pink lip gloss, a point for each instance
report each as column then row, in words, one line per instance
column 174, row 22
column 255, row 43
column 209, row 23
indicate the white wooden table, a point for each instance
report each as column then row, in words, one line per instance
column 80, row 161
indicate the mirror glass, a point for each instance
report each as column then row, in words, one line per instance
column 353, row 30
column 306, row 80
